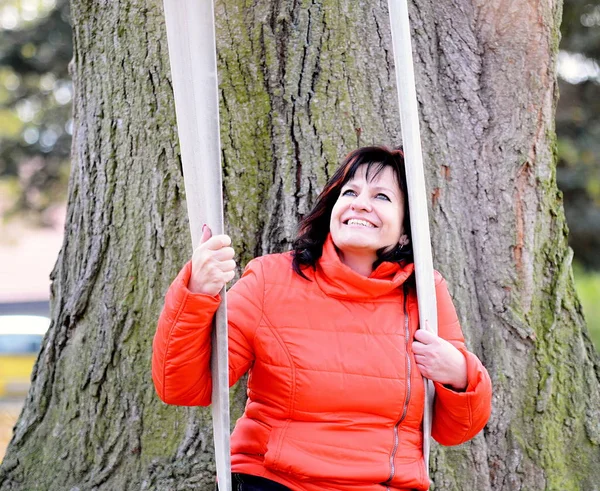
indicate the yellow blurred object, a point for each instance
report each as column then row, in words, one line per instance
column 15, row 372
column 20, row 341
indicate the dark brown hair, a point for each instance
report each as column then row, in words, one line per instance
column 314, row 228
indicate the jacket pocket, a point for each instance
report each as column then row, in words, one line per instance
column 250, row 437
column 321, row 452
column 274, row 446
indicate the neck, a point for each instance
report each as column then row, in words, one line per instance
column 359, row 263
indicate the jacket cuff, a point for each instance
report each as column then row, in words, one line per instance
column 193, row 301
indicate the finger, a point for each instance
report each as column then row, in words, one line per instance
column 224, row 254
column 420, row 359
column 228, row 276
column 217, row 242
column 227, row 266
column 419, row 348
column 423, row 370
column 206, row 234
column 425, row 337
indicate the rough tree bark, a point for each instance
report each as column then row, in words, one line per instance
column 302, row 83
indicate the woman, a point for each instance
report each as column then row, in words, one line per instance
column 329, row 334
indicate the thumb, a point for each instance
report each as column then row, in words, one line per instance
column 424, row 336
column 206, row 234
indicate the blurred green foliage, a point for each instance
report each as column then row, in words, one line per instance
column 578, row 128
column 587, row 284
column 581, row 28
column 35, row 105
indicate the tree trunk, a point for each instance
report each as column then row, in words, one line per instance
column 302, row 84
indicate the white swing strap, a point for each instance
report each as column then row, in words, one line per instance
column 192, row 52
column 417, row 194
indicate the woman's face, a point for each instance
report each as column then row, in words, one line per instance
column 369, row 214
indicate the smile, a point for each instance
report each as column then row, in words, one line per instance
column 362, row 223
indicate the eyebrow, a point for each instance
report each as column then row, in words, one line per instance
column 383, row 188
column 351, row 182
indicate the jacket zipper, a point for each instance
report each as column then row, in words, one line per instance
column 407, row 400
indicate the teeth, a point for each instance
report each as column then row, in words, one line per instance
column 354, row 221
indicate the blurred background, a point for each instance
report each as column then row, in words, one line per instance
column 35, row 139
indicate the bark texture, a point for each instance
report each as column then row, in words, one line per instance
column 302, row 83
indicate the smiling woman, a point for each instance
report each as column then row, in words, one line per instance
column 365, row 208
column 367, row 217
column 329, row 334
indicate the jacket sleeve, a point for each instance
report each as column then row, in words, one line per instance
column 182, row 343
column 459, row 416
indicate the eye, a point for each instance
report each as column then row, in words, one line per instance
column 383, row 196
column 348, row 192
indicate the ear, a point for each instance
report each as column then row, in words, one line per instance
column 403, row 240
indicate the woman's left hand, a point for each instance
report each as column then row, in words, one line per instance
column 439, row 360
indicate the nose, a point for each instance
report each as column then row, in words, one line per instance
column 361, row 202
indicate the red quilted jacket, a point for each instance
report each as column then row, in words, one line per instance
column 335, row 401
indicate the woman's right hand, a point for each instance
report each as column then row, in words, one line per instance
column 212, row 263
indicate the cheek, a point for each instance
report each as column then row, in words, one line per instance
column 335, row 226
column 399, row 220
column 336, row 214
column 399, row 212
column 396, row 221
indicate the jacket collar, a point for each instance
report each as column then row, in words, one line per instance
column 338, row 280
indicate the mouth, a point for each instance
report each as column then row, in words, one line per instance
column 360, row 223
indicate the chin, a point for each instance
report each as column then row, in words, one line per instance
column 356, row 246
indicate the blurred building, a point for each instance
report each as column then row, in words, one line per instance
column 27, row 256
